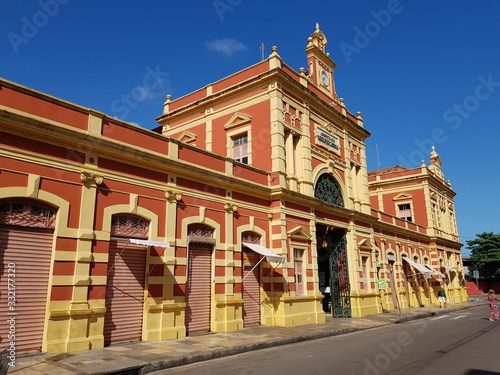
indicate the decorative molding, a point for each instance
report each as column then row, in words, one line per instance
column 329, row 128
column 33, row 185
column 173, row 196
column 402, row 196
column 230, row 207
column 366, row 243
column 134, row 202
column 187, row 137
column 299, row 233
column 238, row 119
column 89, row 178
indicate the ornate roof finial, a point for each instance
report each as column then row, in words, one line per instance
column 318, row 38
column 434, row 153
column 435, row 164
column 435, row 159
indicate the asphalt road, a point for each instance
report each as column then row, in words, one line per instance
column 459, row 343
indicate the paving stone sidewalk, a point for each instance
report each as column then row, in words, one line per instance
column 148, row 357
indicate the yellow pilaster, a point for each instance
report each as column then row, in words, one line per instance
column 70, row 326
column 161, row 319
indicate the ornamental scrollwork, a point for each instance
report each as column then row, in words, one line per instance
column 173, row 196
column 200, row 230
column 328, row 190
column 250, row 237
column 89, row 178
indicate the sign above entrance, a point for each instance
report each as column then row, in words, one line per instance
column 328, row 140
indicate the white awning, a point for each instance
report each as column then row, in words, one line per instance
column 270, row 256
column 449, row 269
column 425, row 271
column 149, row 243
column 436, row 272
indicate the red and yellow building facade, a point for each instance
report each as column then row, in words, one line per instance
column 250, row 204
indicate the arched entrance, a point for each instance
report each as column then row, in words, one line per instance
column 332, row 253
column 391, row 258
column 126, row 280
column 199, row 280
column 251, row 280
column 333, row 270
column 411, row 285
column 26, row 236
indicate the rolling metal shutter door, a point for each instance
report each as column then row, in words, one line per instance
column 251, row 289
column 124, row 292
column 198, row 289
column 30, row 250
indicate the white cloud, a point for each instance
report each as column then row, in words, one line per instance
column 226, row 46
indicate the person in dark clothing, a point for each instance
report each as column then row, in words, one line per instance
column 441, row 297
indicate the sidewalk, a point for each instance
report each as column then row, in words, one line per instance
column 147, row 357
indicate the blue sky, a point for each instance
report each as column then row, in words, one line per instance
column 423, row 73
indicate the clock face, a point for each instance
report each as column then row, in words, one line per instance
column 324, row 78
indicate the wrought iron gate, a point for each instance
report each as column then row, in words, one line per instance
column 339, row 280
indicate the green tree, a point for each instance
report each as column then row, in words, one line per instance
column 485, row 254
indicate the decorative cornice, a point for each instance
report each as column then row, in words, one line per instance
column 110, row 149
column 273, row 73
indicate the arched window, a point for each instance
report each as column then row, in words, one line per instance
column 328, row 190
column 250, row 237
column 201, row 234
column 128, row 225
column 27, row 213
column 200, row 230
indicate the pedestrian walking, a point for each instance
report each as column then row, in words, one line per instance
column 441, row 297
column 492, row 298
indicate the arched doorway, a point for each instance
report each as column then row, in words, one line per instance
column 126, row 280
column 332, row 253
column 26, row 237
column 251, row 280
column 199, row 280
column 333, row 270
column 411, row 284
column 391, row 260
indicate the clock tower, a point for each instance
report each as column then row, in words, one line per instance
column 320, row 64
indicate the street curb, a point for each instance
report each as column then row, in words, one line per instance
column 239, row 349
column 152, row 367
